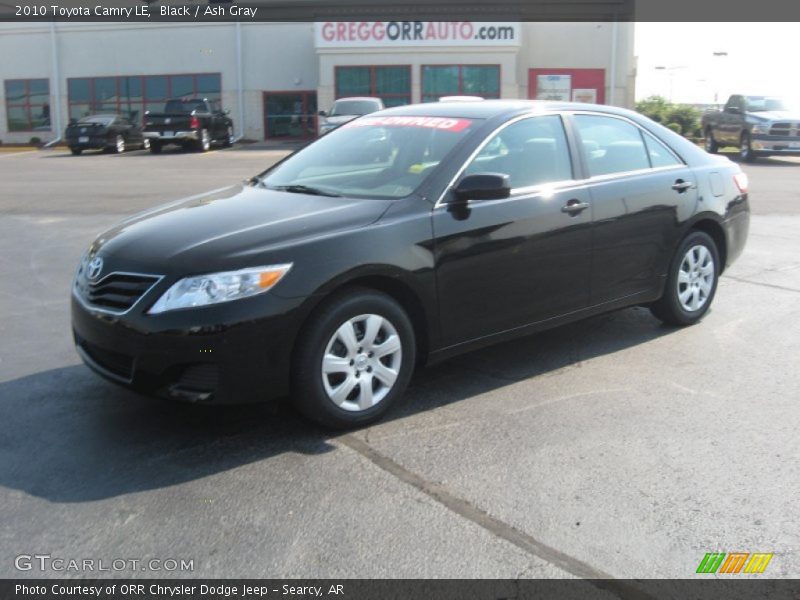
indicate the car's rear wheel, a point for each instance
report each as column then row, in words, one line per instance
column 155, row 147
column 76, row 151
column 354, row 359
column 145, row 143
column 119, row 145
column 692, row 281
column 746, row 149
column 204, row 143
column 228, row 141
column 710, row 142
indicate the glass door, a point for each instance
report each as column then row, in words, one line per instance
column 290, row 115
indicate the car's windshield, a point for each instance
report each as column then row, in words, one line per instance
column 372, row 157
column 353, row 107
column 184, row 107
column 99, row 119
column 764, row 103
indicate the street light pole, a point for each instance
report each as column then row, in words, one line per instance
column 717, row 54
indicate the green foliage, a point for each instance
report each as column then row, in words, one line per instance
column 662, row 111
column 35, row 141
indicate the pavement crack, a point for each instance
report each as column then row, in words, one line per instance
column 493, row 525
column 761, row 283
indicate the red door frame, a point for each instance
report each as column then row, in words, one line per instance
column 581, row 78
column 304, row 95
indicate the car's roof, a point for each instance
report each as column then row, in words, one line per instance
column 487, row 109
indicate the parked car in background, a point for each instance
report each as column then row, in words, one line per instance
column 108, row 132
column 347, row 109
column 330, row 276
column 758, row 125
column 192, row 123
column 460, row 99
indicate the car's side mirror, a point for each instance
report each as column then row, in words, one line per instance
column 482, row 186
column 322, row 113
column 227, row 111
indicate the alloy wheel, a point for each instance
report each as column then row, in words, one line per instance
column 695, row 278
column 361, row 362
column 120, row 144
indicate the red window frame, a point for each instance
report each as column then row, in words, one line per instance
column 27, row 105
column 460, row 91
column 373, row 92
column 306, row 94
column 121, row 104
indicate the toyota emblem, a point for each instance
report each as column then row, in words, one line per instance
column 94, row 268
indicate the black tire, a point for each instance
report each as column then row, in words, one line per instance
column 155, row 147
column 227, row 142
column 308, row 388
column 745, row 149
column 711, row 144
column 76, row 151
column 204, row 143
column 669, row 307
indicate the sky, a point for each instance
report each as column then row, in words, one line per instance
column 761, row 60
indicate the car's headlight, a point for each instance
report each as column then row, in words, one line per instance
column 760, row 129
column 214, row 288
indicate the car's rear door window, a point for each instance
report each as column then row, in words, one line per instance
column 611, row 145
column 659, row 154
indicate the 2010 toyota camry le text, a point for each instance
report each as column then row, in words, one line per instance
column 401, row 238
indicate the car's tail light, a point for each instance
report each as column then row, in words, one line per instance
column 740, row 179
column 194, row 122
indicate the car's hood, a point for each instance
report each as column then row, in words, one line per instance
column 340, row 119
column 776, row 115
column 227, row 229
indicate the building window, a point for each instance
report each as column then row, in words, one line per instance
column 460, row 80
column 28, row 104
column 390, row 84
column 132, row 96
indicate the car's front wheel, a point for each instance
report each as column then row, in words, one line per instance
column 746, row 149
column 76, row 151
column 710, row 142
column 691, row 283
column 354, row 359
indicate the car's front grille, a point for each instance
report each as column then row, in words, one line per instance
column 784, row 129
column 200, row 377
column 113, row 362
column 116, row 292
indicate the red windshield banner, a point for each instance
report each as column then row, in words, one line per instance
column 440, row 123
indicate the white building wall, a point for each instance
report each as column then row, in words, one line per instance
column 282, row 57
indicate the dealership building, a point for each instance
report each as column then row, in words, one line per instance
column 275, row 77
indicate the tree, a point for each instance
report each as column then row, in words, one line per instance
column 662, row 111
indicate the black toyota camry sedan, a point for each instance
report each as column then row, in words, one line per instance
column 401, row 238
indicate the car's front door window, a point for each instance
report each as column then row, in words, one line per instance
column 531, row 152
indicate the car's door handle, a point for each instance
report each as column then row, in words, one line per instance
column 681, row 186
column 574, row 207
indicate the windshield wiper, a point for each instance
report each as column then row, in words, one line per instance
column 303, row 189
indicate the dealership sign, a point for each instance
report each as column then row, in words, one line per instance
column 370, row 34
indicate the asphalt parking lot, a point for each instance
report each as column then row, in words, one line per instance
column 613, row 447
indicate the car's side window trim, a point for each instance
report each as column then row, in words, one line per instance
column 642, row 132
column 515, row 191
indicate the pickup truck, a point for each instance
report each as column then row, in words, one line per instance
column 193, row 123
column 758, row 125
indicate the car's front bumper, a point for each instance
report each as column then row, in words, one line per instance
column 212, row 355
column 770, row 144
